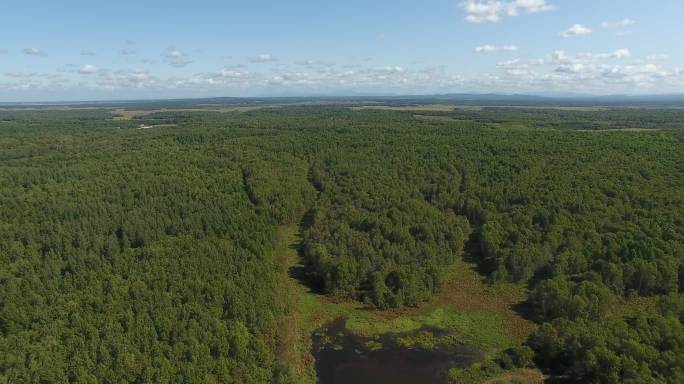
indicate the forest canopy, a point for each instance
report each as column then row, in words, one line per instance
column 146, row 255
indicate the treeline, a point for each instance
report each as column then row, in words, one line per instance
column 582, row 118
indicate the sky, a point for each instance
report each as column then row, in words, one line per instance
column 70, row 50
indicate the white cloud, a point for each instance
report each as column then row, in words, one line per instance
column 561, row 56
column 487, row 48
column 87, row 52
column 519, row 64
column 297, row 79
column 619, row 54
column 175, row 58
column 307, row 63
column 576, row 30
column 495, row 10
column 585, row 72
column 88, row 69
column 657, row 57
column 393, row 69
column 584, row 63
column 615, row 71
column 589, row 72
column 227, row 78
column 34, row 52
column 20, row 82
column 232, row 73
column 509, row 64
column 21, row 75
column 173, row 53
column 126, row 78
column 262, row 58
column 626, row 22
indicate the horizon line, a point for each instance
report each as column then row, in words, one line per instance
column 559, row 96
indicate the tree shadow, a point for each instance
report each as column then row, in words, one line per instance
column 301, row 271
column 472, row 253
column 525, row 310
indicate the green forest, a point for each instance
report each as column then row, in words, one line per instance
column 133, row 255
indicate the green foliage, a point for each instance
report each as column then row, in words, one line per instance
column 558, row 297
column 477, row 373
column 285, row 194
column 145, row 255
column 379, row 254
column 672, row 305
column 516, row 357
column 648, row 349
column 481, row 330
column 127, row 257
column 373, row 234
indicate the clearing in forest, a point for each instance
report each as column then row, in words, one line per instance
column 481, row 315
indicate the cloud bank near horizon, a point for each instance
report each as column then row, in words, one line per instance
column 591, row 57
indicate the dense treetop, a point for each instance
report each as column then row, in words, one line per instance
column 144, row 255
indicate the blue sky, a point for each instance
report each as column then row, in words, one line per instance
column 83, row 50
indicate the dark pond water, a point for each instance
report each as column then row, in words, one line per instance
column 342, row 358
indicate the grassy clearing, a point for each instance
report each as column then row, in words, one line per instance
column 480, row 329
column 445, row 119
column 466, row 292
column 293, row 331
column 620, row 130
column 481, row 315
column 417, row 108
column 516, row 376
column 157, row 126
column 124, row 114
column 530, row 376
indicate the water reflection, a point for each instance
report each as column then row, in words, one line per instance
column 342, row 357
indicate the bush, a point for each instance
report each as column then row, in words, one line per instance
column 520, row 356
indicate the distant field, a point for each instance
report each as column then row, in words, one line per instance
column 124, row 114
column 452, row 107
column 436, row 118
column 558, row 108
column 620, row 130
column 418, row 108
